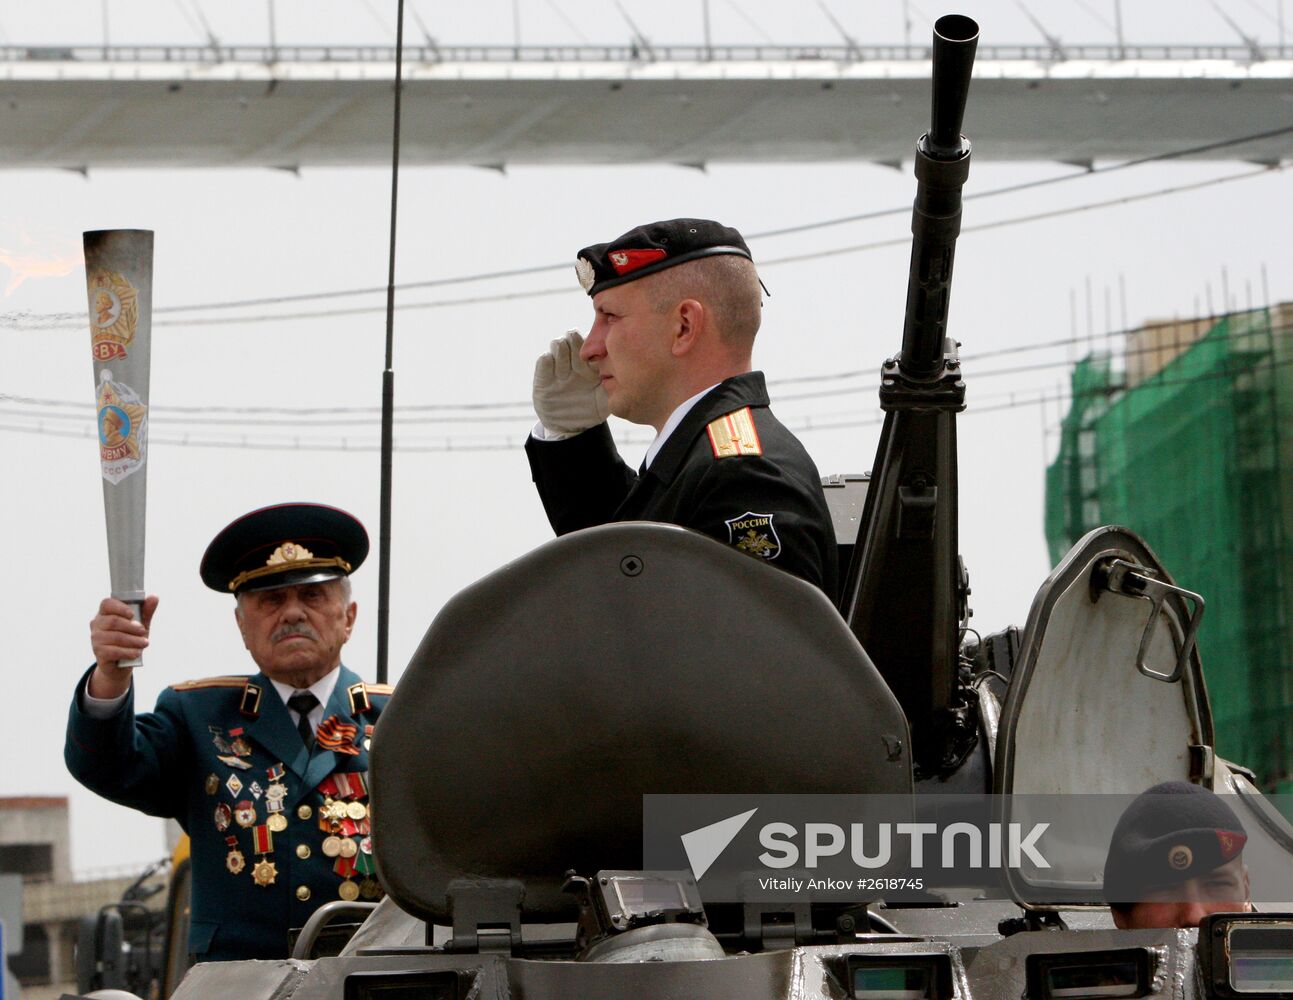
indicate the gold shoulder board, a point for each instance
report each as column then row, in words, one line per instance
column 734, row 434
column 210, row 682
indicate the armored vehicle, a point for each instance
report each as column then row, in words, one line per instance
column 551, row 704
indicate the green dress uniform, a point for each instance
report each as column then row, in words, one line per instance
column 276, row 829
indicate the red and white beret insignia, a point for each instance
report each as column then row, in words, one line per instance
column 1231, row 843
column 626, row 261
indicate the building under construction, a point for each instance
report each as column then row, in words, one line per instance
column 1189, row 442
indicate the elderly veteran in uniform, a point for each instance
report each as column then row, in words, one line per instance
column 676, row 307
column 1175, row 856
column 266, row 773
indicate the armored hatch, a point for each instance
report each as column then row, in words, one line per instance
column 626, row 659
column 1107, row 699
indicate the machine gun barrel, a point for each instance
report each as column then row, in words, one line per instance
column 942, row 165
column 956, row 37
column 905, row 595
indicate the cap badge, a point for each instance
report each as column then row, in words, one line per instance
column 1231, row 843
column 625, row 261
column 584, row 272
column 290, row 555
column 289, row 552
column 1180, row 857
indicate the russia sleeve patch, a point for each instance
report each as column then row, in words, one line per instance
column 734, row 434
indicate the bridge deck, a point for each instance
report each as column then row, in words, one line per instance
column 494, row 106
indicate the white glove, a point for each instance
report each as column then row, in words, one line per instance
column 568, row 395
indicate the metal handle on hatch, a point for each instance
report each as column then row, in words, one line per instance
column 1123, row 577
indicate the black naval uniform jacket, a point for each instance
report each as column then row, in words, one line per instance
column 169, row 763
column 763, row 497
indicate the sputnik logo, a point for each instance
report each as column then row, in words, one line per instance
column 703, row 846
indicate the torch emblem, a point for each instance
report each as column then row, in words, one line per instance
column 114, row 314
column 123, row 427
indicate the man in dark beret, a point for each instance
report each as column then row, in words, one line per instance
column 1176, row 855
column 676, row 307
column 266, row 773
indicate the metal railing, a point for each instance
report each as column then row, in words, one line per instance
column 427, row 54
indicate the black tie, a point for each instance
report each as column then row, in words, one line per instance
column 303, row 703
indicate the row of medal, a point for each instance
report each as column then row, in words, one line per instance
column 345, row 820
column 348, row 825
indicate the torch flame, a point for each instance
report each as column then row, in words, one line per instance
column 33, row 265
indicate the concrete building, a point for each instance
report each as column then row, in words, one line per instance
column 35, row 843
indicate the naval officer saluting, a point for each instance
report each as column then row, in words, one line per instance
column 267, row 773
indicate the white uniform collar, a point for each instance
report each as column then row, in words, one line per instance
column 671, row 425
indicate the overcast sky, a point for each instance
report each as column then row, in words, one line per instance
column 460, row 513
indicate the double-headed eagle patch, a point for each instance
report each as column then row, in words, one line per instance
column 754, row 534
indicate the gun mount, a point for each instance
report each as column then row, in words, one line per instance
column 905, row 592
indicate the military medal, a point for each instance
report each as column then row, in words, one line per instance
column 331, row 846
column 223, row 816
column 234, row 860
column 240, row 748
column 348, row 848
column 234, row 784
column 256, row 790
column 217, row 737
column 212, row 784
column 364, row 859
column 356, row 810
column 244, row 813
column 345, row 867
column 277, row 822
column 264, row 872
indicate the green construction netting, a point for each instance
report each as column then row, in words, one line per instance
column 1190, row 459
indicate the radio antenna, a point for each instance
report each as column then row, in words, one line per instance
column 388, row 380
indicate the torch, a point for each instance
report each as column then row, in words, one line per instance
column 119, row 281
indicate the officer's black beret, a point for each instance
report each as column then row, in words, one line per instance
column 652, row 248
column 285, row 544
column 1170, row 833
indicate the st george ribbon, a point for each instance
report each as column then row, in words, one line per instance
column 119, row 285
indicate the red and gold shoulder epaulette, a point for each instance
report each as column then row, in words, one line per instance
column 360, row 702
column 734, row 434
column 210, row 682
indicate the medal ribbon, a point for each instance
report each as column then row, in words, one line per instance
column 345, row 867
column 337, row 736
column 264, row 839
